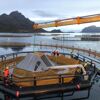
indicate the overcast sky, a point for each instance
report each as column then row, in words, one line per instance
column 46, row 10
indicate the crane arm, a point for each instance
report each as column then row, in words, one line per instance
column 69, row 21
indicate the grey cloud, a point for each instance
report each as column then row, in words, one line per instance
column 44, row 13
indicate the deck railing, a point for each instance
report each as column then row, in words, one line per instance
column 77, row 55
column 61, row 79
column 76, row 84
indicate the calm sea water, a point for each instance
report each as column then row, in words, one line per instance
column 94, row 45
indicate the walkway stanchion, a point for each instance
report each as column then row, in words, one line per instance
column 78, row 49
column 63, row 42
column 14, row 59
column 62, row 96
column 13, row 56
column 89, row 52
column 2, row 58
column 5, row 61
column 34, row 43
column 72, row 48
column 95, row 54
column 83, row 50
column 34, row 81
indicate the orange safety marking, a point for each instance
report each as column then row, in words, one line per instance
column 78, row 20
column 56, row 23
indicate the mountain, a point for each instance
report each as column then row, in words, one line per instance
column 16, row 22
column 91, row 29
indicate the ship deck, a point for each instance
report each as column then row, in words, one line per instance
column 47, row 91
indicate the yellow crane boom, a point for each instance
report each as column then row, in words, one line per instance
column 69, row 21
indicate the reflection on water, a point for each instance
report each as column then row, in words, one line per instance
column 14, row 48
column 16, row 39
column 5, row 47
column 17, row 48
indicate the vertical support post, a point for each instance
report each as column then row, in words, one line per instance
column 7, row 97
column 78, row 54
column 72, row 49
column 62, row 97
column 2, row 58
column 89, row 52
column 34, row 43
column 95, row 54
column 2, row 62
column 71, row 54
column 5, row 61
column 88, row 92
column 14, row 59
column 34, row 81
column 13, row 56
column 63, row 43
column 91, row 62
column 60, row 79
column 78, row 49
column 83, row 59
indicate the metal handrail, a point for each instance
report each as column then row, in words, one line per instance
column 40, row 78
column 11, row 54
column 30, row 79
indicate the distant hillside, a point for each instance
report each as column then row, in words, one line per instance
column 16, row 22
column 91, row 29
column 56, row 31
